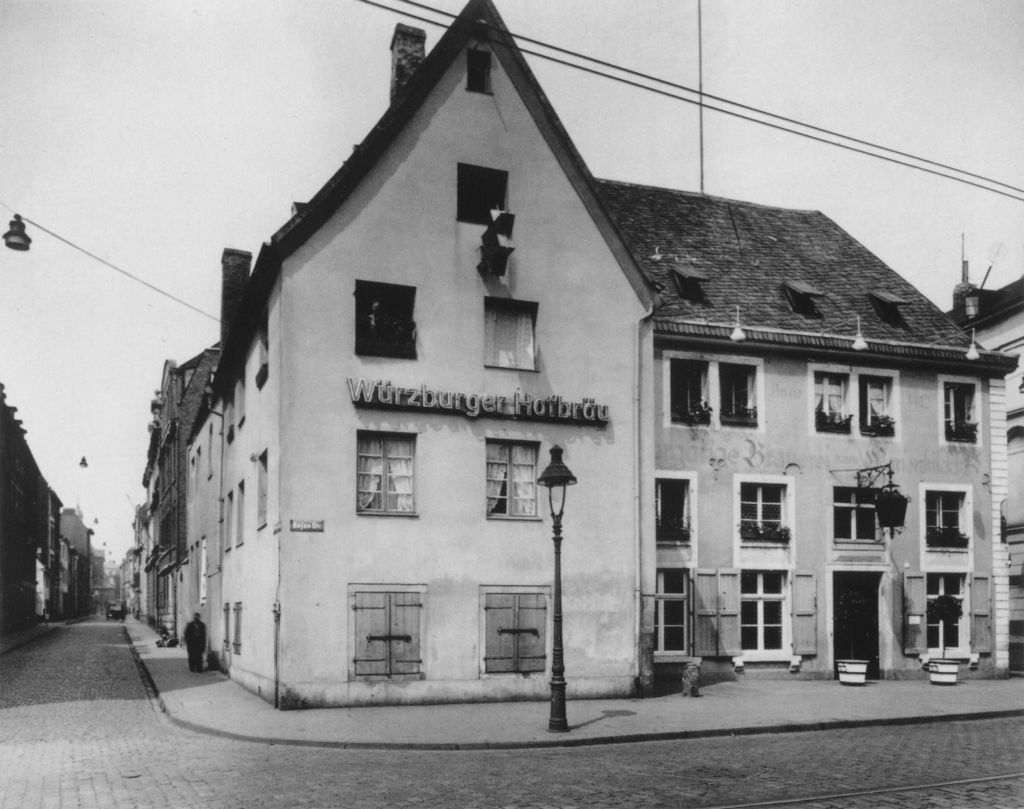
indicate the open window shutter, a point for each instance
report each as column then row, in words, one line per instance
column 499, row 646
column 371, row 656
column 705, row 613
column 805, row 624
column 915, row 622
column 405, row 633
column 532, row 620
column 981, row 616
column 729, row 612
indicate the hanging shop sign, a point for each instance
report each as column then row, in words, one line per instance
column 382, row 394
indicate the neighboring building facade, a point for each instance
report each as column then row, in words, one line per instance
column 77, row 539
column 165, row 479
column 396, row 375
column 996, row 316
column 28, row 539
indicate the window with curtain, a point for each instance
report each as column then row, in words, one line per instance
column 509, row 333
column 511, row 479
column 385, row 483
column 830, row 406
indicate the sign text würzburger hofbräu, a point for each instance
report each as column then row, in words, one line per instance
column 378, row 393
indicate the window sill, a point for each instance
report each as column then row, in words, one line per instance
column 673, row 543
column 943, row 549
column 675, row 657
column 772, row 656
column 515, row 518
column 387, row 514
column 747, row 544
column 870, row 544
column 511, row 368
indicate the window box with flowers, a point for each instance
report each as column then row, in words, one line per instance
column 879, row 425
column 945, row 536
column 741, row 416
column 764, row 532
column 964, row 431
column 696, row 414
column 831, row 421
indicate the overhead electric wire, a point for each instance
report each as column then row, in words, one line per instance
column 113, row 266
column 732, row 113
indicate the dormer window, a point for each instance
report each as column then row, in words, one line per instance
column 480, row 190
column 688, row 283
column 888, row 307
column 801, row 298
column 478, row 71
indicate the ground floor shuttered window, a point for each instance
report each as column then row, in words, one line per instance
column 514, row 628
column 761, row 610
column 944, row 634
column 387, row 633
column 670, row 616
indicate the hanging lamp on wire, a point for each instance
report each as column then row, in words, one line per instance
column 16, row 238
column 859, row 343
column 972, row 352
column 738, row 335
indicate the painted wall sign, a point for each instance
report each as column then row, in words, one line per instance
column 382, row 394
column 307, row 525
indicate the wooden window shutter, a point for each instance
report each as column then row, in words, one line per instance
column 805, row 618
column 705, row 613
column 729, row 612
column 405, row 633
column 981, row 615
column 532, row 618
column 915, row 607
column 499, row 646
column 371, row 656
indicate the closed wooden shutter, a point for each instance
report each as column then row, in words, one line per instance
column 729, row 612
column 805, row 614
column 981, row 614
column 371, row 625
column 499, row 645
column 532, row 620
column 915, row 620
column 405, row 633
column 705, row 613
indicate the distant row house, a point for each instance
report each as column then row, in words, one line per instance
column 742, row 392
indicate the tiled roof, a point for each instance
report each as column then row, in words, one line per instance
column 993, row 305
column 749, row 253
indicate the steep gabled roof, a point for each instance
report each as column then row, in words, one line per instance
column 478, row 20
column 760, row 258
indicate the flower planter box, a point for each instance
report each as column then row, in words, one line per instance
column 852, row 672
column 943, row 672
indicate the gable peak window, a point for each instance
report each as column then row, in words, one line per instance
column 479, row 191
column 478, row 71
column 384, row 320
column 509, row 327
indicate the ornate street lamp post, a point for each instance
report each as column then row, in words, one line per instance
column 555, row 478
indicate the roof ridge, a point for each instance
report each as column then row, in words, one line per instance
column 699, row 195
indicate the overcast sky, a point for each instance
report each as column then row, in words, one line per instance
column 154, row 134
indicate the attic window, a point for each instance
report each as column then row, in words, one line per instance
column 888, row 307
column 480, row 190
column 384, row 320
column 688, row 283
column 478, row 71
column 801, row 298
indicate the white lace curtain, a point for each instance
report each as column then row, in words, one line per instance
column 509, row 337
column 385, row 474
column 518, row 462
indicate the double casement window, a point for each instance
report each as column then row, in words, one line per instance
column 672, row 505
column 688, row 380
column 944, row 517
column 853, row 513
column 387, row 633
column 514, row 626
column 875, row 410
column 509, row 333
column 671, row 610
column 761, row 512
column 830, row 406
column 761, row 599
column 511, row 479
column 738, row 400
column 384, row 320
column 944, row 633
column 959, row 419
column 385, row 473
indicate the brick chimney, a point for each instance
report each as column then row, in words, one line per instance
column 408, row 47
column 234, row 276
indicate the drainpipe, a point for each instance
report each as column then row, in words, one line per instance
column 637, row 512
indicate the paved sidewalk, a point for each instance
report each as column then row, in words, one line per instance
column 212, row 703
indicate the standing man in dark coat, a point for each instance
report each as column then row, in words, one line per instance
column 195, row 642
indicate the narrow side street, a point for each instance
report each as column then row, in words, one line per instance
column 77, row 730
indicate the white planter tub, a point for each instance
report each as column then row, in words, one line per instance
column 852, row 672
column 943, row 672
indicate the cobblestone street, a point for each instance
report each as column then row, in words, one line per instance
column 77, row 729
